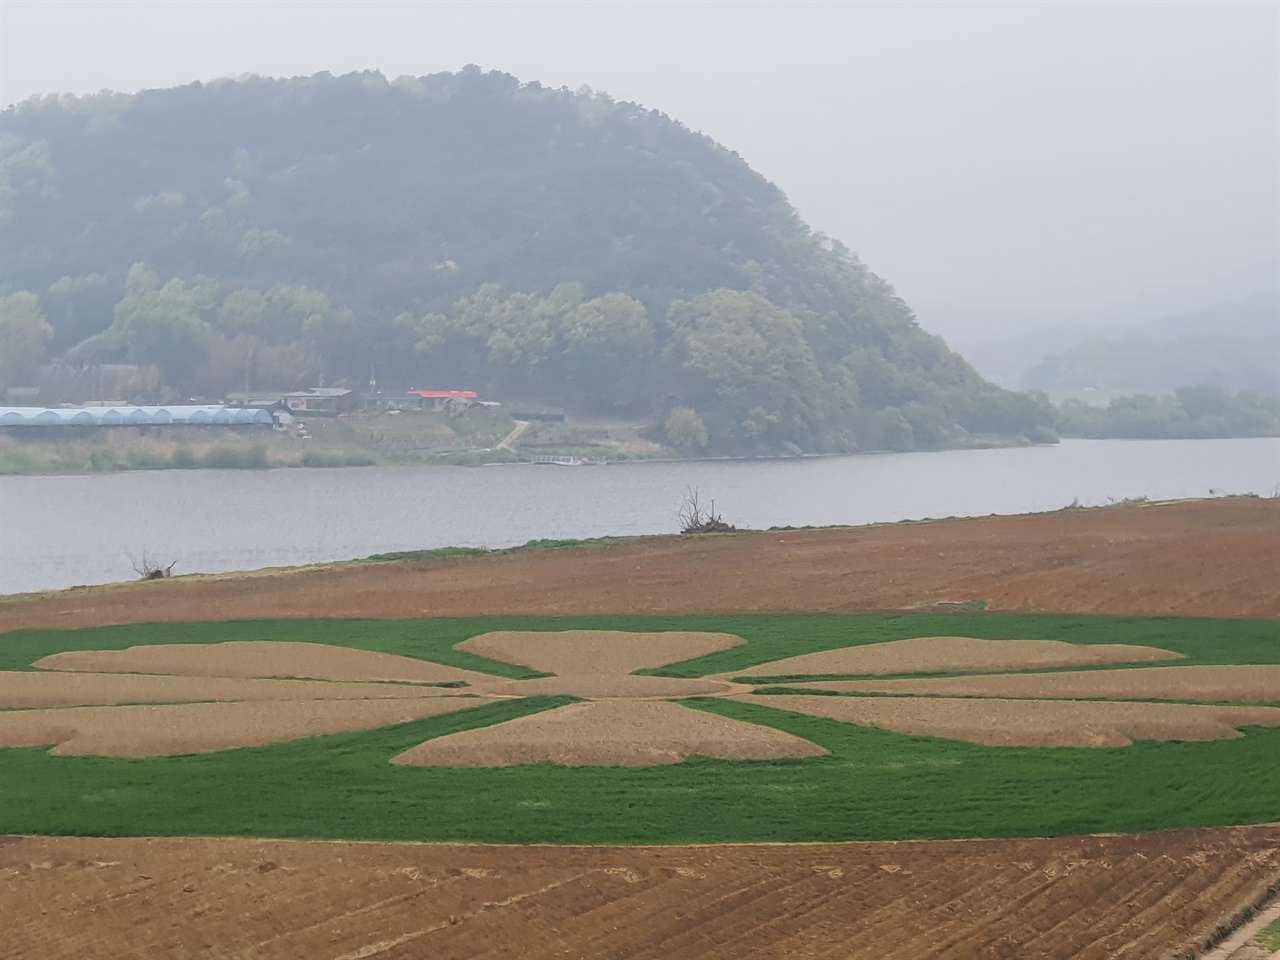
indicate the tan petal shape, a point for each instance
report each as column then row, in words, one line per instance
column 162, row 730
column 1031, row 723
column 942, row 654
column 66, row 689
column 260, row 658
column 613, row 733
column 1254, row 683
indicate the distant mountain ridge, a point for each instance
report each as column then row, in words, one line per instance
column 465, row 228
column 1234, row 345
column 1242, row 308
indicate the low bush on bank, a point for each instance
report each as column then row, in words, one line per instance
column 236, row 458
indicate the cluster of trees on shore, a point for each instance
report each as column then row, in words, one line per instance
column 724, row 371
column 1190, row 413
column 462, row 230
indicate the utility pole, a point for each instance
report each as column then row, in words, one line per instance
column 248, row 358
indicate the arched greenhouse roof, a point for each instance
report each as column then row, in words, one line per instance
column 133, row 416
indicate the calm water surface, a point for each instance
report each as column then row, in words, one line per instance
column 60, row 531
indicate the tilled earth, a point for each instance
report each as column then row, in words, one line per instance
column 1210, row 558
column 1153, row 896
column 1092, row 898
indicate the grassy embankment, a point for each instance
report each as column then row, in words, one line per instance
column 333, row 442
column 1270, row 937
column 874, row 784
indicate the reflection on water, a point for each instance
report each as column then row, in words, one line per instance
column 60, row 531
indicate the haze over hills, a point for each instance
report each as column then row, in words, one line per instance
column 463, row 230
column 1225, row 332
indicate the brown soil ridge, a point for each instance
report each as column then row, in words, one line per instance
column 58, row 689
column 939, row 654
column 1210, row 558
column 1253, row 683
column 607, row 652
column 1089, row 898
column 261, row 658
column 169, row 729
column 615, row 733
column 1031, row 723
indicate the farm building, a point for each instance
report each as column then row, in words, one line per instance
column 437, row 400
column 326, row 401
column 180, row 415
column 266, row 399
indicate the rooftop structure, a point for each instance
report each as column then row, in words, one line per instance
column 178, row 415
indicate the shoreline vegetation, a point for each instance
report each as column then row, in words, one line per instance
column 123, row 449
column 490, row 437
column 407, row 440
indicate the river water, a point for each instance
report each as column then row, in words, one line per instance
column 61, row 531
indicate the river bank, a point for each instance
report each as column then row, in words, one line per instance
column 61, row 531
column 384, row 440
column 377, row 441
column 1191, row 558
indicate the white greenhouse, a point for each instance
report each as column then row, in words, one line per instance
column 209, row 414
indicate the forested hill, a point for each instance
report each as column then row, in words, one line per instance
column 460, row 230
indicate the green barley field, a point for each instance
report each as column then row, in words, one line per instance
column 874, row 785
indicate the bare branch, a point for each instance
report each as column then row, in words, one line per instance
column 149, row 568
column 695, row 518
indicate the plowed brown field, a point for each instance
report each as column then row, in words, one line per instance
column 1097, row 897
column 1092, row 898
column 1211, row 558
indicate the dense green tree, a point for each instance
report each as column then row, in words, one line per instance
column 24, row 333
column 27, row 177
column 278, row 315
column 896, row 432
column 685, row 430
column 743, row 363
column 608, row 347
column 165, row 325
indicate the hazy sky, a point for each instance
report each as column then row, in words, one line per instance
column 1002, row 155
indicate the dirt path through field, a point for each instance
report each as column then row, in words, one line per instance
column 1240, row 945
column 509, row 441
column 1213, row 558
